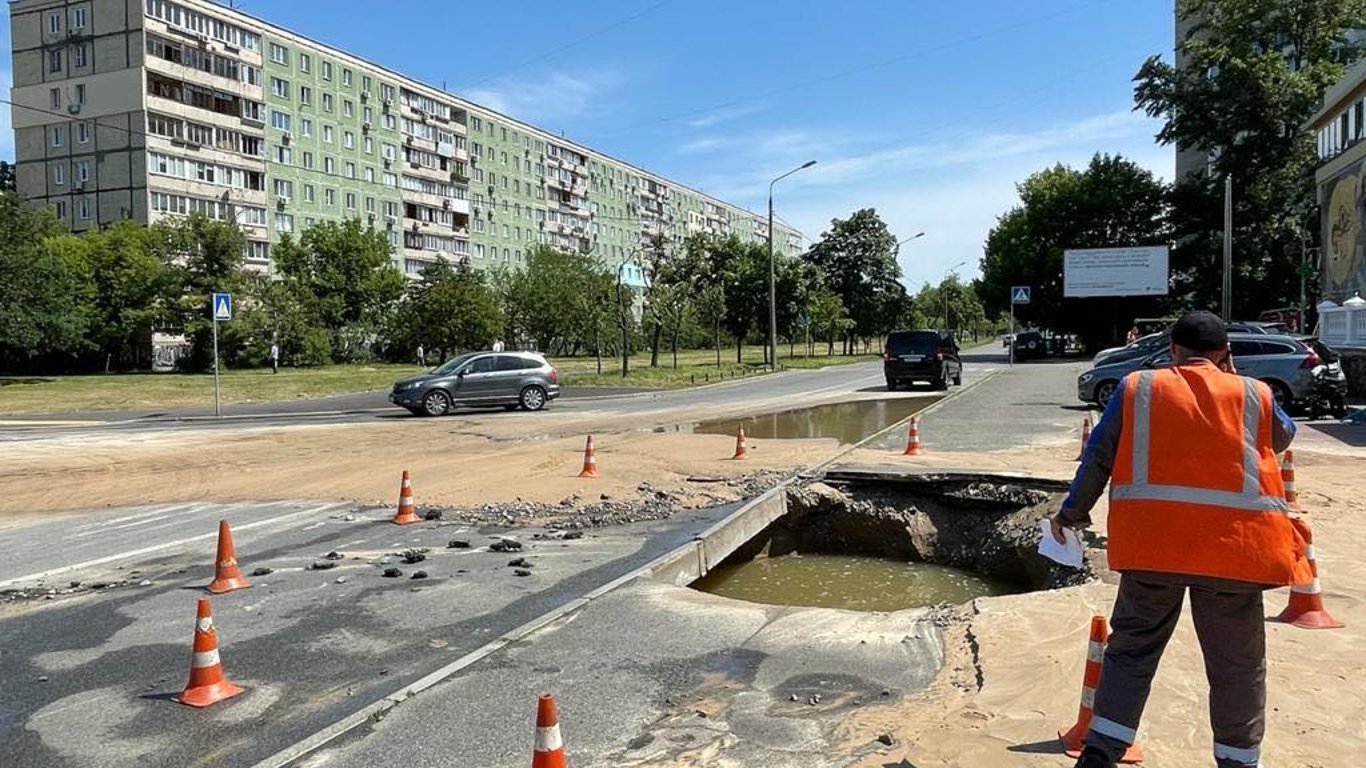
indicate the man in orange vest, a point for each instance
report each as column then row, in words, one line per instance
column 1196, row 503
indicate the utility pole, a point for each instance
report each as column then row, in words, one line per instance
column 1227, row 304
column 772, row 272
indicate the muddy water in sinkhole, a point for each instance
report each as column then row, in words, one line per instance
column 846, row 422
column 853, row 582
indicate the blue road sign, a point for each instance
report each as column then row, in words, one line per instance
column 1019, row 294
column 222, row 306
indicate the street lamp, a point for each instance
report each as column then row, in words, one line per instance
column 944, row 290
column 897, row 253
column 772, row 280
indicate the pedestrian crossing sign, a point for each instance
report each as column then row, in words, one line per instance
column 1019, row 294
column 222, row 306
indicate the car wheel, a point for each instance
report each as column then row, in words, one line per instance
column 1282, row 394
column 1104, row 391
column 436, row 403
column 533, row 398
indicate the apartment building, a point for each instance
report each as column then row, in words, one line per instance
column 145, row 109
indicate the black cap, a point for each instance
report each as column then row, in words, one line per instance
column 1200, row 331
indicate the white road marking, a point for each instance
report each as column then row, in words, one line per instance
column 173, row 513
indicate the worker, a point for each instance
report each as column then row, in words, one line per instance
column 1196, row 503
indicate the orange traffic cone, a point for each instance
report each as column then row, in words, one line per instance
column 549, row 750
column 590, row 460
column 913, row 439
column 1085, row 437
column 741, row 450
column 207, row 683
column 1073, row 737
column 226, row 575
column 1305, row 609
column 1292, row 497
column 407, row 510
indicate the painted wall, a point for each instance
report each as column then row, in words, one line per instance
column 1344, row 233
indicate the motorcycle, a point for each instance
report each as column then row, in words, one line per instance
column 1329, row 395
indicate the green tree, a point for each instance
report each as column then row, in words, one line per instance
column 448, row 311
column 135, row 291
column 542, row 301
column 1255, row 73
column 7, row 181
column 45, row 288
column 1112, row 203
column 205, row 256
column 342, row 273
column 857, row 259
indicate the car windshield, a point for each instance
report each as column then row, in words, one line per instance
column 452, row 365
column 913, row 343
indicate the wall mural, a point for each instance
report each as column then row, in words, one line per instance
column 1344, row 236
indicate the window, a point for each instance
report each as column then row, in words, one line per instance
column 369, row 114
column 79, row 56
column 350, row 201
column 281, row 120
column 348, row 108
column 279, row 54
column 370, row 204
column 305, row 126
column 305, row 95
column 327, row 134
column 305, row 63
column 284, row 188
column 61, row 209
column 279, row 87
column 80, row 93
column 330, row 197
column 54, row 98
column 284, row 155
column 308, row 160
column 327, row 102
column 83, row 171
column 370, row 175
column 346, row 77
column 327, row 70
column 350, row 170
column 83, row 133
column 369, row 146
column 58, row 175
column 349, row 140
column 284, row 222
column 329, row 166
column 54, row 62
column 58, row 135
column 78, row 18
column 308, row 193
column 83, row 208
column 54, row 22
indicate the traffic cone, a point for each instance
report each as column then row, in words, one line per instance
column 1072, row 738
column 1305, row 609
column 207, row 683
column 407, row 510
column 741, row 450
column 549, row 750
column 226, row 575
column 1292, row 497
column 590, row 460
column 913, row 439
column 1085, row 437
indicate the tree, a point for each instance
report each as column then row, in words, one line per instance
column 205, row 256
column 856, row 257
column 45, row 287
column 135, row 291
column 1112, row 203
column 7, row 180
column 344, row 274
column 1255, row 72
column 448, row 310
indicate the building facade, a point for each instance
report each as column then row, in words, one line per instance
column 144, row 109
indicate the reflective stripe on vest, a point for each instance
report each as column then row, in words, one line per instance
column 1250, row 499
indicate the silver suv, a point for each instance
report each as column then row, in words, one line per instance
column 480, row 379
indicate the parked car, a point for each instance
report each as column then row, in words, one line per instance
column 1143, row 347
column 480, row 379
column 1246, row 326
column 930, row 356
column 1030, row 344
column 1283, row 362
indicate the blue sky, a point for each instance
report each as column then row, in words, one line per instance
column 929, row 112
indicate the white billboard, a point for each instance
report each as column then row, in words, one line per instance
column 1089, row 272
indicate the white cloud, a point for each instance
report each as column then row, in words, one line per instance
column 702, row 145
column 726, row 114
column 554, row 96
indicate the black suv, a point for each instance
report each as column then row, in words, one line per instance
column 921, row 356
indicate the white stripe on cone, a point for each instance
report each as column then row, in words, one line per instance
column 548, row 739
column 206, row 659
column 1312, row 588
column 205, row 624
column 1088, row 698
column 1095, row 652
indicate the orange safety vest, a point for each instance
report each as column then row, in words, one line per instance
column 1196, row 488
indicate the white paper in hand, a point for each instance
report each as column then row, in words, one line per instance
column 1068, row 554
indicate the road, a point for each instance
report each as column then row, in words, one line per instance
column 89, row 668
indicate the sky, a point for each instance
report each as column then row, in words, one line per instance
column 929, row 112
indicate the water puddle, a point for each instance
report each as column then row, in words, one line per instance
column 846, row 422
column 852, row 582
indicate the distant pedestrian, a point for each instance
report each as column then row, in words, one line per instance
column 1133, row 335
column 421, row 355
column 274, row 357
column 497, row 345
column 1196, row 504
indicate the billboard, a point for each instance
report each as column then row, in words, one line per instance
column 1140, row 271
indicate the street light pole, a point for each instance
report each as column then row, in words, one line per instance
column 943, row 288
column 772, row 273
column 1226, row 304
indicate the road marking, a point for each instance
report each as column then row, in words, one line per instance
column 164, row 546
column 172, row 512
